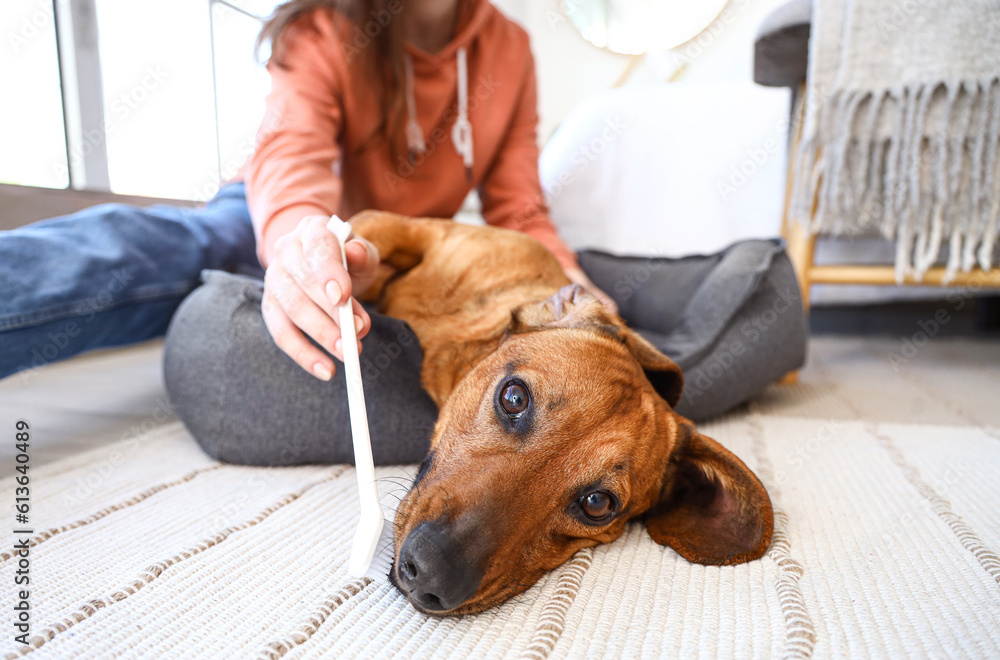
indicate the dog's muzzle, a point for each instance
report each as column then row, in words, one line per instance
column 433, row 571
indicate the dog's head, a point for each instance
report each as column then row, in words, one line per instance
column 550, row 445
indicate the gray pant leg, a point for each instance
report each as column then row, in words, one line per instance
column 732, row 321
column 246, row 402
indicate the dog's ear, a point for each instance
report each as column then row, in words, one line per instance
column 570, row 307
column 663, row 373
column 712, row 508
column 573, row 307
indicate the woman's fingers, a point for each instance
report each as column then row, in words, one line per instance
column 291, row 341
column 314, row 261
column 304, row 287
column 289, row 312
column 363, row 262
column 362, row 322
column 321, row 273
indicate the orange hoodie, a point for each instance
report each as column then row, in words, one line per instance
column 315, row 154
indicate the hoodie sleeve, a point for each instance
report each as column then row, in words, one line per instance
column 511, row 193
column 290, row 174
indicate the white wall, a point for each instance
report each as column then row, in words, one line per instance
column 570, row 69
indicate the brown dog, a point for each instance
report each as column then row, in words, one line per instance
column 551, row 435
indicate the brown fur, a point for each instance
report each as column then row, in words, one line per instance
column 489, row 305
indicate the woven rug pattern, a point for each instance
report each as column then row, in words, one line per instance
column 884, row 473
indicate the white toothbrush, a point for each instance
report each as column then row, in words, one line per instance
column 372, row 552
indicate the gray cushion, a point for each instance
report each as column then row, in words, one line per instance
column 246, row 402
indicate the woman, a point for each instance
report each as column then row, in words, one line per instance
column 416, row 103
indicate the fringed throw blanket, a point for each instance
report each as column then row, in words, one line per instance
column 902, row 127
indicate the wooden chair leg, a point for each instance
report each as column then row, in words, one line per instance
column 790, row 378
column 801, row 243
column 801, row 251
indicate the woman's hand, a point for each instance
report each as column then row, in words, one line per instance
column 577, row 276
column 304, row 284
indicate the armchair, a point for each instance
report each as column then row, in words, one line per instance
column 781, row 59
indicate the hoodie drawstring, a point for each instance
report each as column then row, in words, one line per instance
column 414, row 136
column 461, row 132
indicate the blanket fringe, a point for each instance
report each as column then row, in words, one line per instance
column 920, row 164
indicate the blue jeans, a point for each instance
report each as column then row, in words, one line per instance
column 112, row 274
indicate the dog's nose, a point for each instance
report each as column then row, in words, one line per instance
column 433, row 570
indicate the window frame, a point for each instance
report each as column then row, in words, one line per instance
column 82, row 92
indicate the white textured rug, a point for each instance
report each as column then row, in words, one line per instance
column 885, row 478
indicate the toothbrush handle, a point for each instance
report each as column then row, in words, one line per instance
column 363, row 461
column 355, row 393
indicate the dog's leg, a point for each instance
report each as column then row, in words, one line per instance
column 401, row 241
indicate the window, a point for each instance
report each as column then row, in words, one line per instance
column 32, row 135
column 167, row 105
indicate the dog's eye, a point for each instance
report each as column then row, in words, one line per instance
column 598, row 506
column 514, row 399
column 424, row 467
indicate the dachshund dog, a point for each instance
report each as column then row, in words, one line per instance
column 556, row 424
